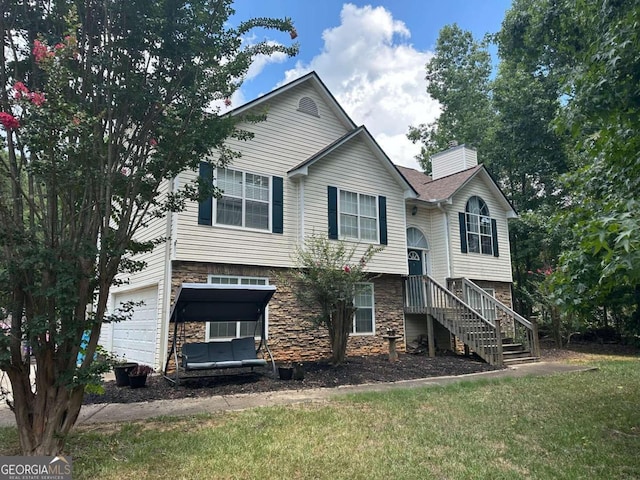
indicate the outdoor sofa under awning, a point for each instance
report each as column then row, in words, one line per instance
column 202, row 302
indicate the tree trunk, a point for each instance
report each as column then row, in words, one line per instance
column 635, row 316
column 44, row 420
column 556, row 326
column 342, row 319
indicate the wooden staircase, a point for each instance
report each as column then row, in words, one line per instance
column 514, row 352
column 476, row 318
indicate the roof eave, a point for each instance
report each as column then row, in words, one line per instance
column 302, row 170
column 409, row 191
column 321, row 88
column 511, row 211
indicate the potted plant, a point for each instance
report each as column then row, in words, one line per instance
column 298, row 371
column 121, row 371
column 138, row 376
column 285, row 371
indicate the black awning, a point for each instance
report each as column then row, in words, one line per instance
column 202, row 302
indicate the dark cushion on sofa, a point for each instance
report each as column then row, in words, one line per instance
column 195, row 352
column 244, row 350
column 239, row 352
column 220, row 352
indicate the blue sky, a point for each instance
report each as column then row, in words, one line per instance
column 370, row 55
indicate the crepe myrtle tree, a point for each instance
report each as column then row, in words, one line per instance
column 329, row 275
column 102, row 104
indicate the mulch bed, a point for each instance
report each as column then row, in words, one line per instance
column 355, row 371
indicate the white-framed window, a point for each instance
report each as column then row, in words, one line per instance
column 479, row 233
column 245, row 201
column 358, row 216
column 364, row 318
column 227, row 330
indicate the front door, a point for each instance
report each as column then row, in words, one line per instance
column 415, row 262
column 415, row 290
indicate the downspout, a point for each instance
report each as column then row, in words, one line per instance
column 168, row 272
column 447, row 239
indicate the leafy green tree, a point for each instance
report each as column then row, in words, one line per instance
column 528, row 154
column 329, row 276
column 458, row 78
column 587, row 52
column 102, row 104
column 509, row 119
column 594, row 50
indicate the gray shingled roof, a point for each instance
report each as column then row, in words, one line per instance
column 440, row 189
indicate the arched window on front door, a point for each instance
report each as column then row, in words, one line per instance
column 416, row 239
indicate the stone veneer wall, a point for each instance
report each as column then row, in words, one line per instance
column 290, row 336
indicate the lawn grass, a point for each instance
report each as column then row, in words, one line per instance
column 570, row 426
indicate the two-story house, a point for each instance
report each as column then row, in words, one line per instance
column 310, row 170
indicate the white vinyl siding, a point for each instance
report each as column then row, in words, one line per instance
column 486, row 267
column 452, row 161
column 363, row 318
column 286, row 138
column 152, row 276
column 344, row 169
column 431, row 222
column 280, row 143
column 358, row 218
column 227, row 330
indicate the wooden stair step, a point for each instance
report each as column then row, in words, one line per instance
column 512, row 347
column 514, row 353
column 518, row 360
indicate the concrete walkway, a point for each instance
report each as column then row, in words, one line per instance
column 117, row 412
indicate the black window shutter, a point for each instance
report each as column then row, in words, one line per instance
column 277, row 208
column 494, row 234
column 332, row 201
column 382, row 212
column 205, row 208
column 463, row 232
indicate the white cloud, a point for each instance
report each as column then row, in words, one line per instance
column 377, row 77
column 261, row 61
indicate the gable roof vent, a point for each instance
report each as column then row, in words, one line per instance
column 307, row 105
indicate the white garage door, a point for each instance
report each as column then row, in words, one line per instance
column 135, row 338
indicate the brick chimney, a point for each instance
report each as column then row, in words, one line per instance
column 453, row 160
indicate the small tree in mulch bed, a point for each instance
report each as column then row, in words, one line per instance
column 329, row 276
